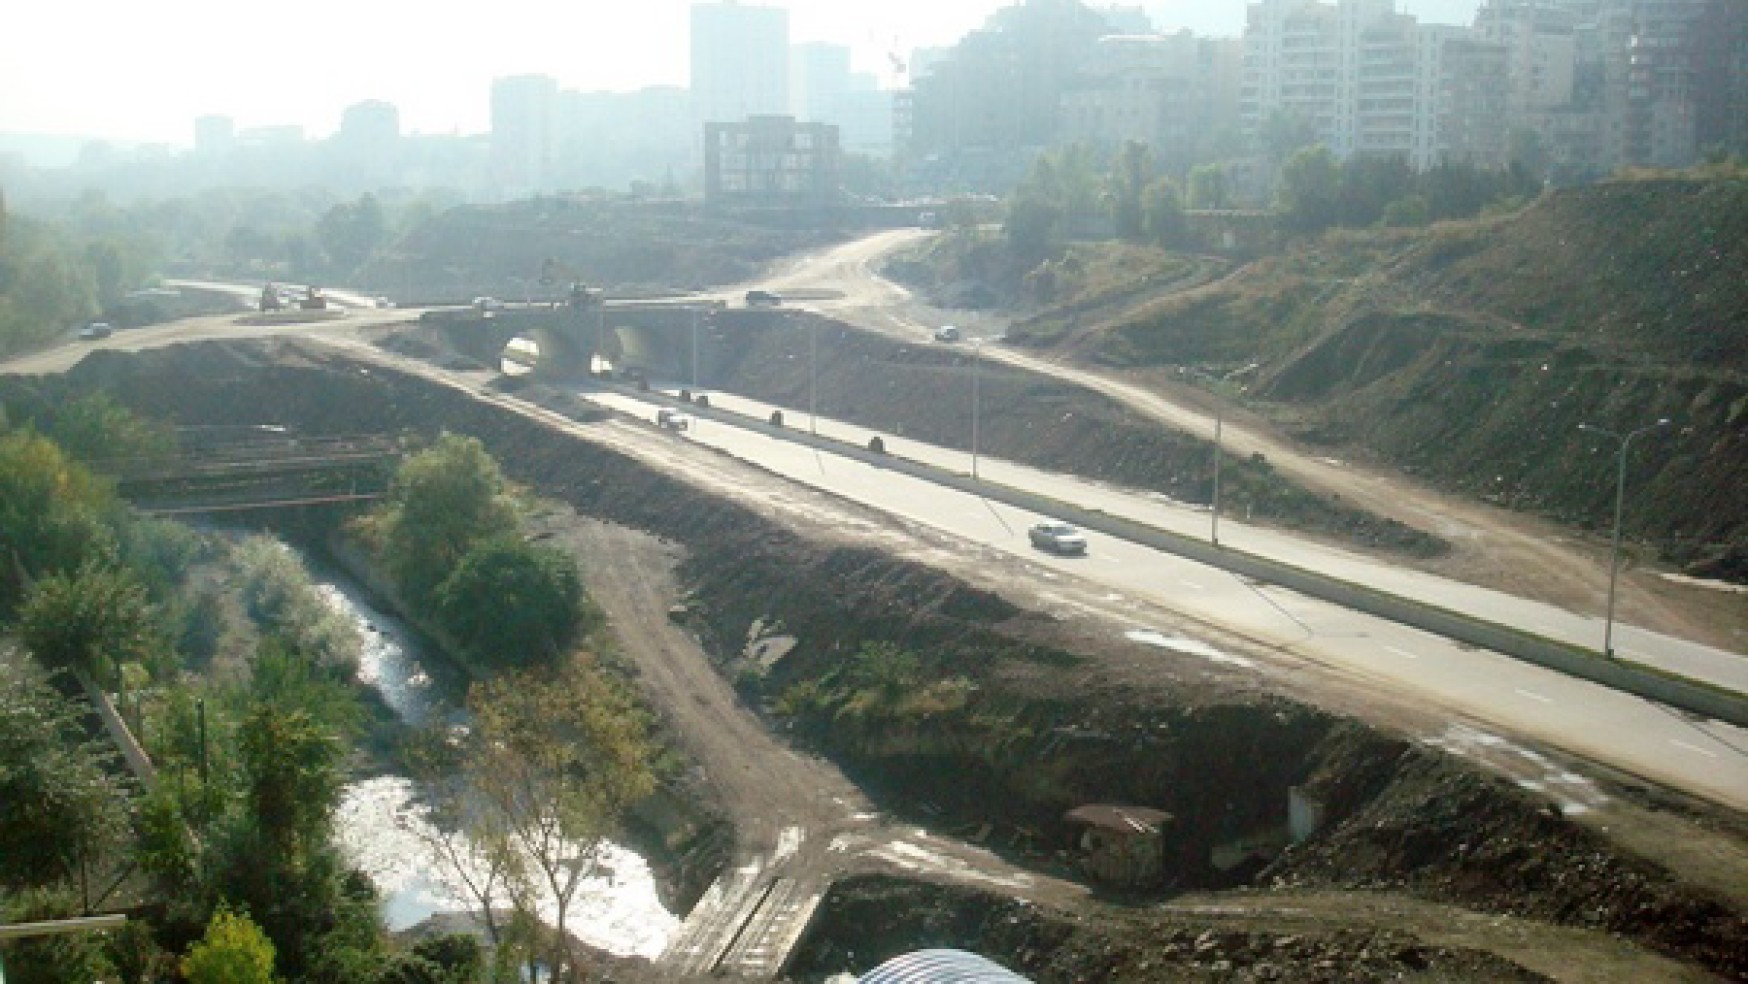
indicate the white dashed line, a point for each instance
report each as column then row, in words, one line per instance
column 1405, row 654
column 1694, row 748
column 1191, row 584
column 1535, row 696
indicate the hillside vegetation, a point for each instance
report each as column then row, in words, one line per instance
column 1470, row 352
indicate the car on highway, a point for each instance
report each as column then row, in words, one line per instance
column 485, row 307
column 947, row 333
column 96, row 330
column 1057, row 537
column 670, row 419
column 763, row 298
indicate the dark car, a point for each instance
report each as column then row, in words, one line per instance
column 95, row 330
column 763, row 298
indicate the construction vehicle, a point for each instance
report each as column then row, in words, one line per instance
column 554, row 271
column 270, row 298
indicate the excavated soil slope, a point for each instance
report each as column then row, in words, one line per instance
column 1039, row 725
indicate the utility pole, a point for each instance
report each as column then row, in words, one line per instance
column 976, row 365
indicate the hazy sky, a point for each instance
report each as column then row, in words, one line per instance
column 143, row 71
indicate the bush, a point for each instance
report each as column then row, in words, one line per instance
column 510, row 601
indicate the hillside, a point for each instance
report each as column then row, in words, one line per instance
column 1469, row 353
column 627, row 245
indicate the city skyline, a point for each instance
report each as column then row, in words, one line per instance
column 153, row 70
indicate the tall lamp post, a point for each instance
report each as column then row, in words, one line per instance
column 976, row 365
column 1620, row 495
column 1214, row 512
column 812, row 378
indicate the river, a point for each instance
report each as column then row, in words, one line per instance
column 384, row 827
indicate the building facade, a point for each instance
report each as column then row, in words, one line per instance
column 771, row 161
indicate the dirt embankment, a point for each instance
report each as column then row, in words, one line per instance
column 1029, row 723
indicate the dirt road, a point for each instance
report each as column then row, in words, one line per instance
column 1512, row 552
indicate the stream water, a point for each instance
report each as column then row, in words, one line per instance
column 385, row 828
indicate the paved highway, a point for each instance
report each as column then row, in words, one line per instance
column 1704, row 757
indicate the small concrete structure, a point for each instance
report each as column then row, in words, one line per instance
column 1122, row 845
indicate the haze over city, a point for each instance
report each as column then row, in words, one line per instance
column 152, row 69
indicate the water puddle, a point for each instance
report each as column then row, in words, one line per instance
column 1192, row 647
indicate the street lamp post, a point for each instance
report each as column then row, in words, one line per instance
column 976, row 365
column 812, row 378
column 694, row 352
column 1620, row 495
column 1214, row 527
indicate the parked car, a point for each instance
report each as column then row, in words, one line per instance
column 671, row 419
column 95, row 330
column 1057, row 537
column 947, row 333
column 763, row 298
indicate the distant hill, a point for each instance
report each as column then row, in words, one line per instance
column 1470, row 352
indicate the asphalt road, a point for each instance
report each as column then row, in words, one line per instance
column 1706, row 758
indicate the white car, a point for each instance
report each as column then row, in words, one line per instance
column 96, row 330
column 1057, row 537
column 947, row 333
column 673, row 419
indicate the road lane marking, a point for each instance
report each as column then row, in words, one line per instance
column 1405, row 654
column 1191, row 584
column 1535, row 696
column 1693, row 748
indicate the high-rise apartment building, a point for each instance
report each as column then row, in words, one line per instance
column 214, row 135
column 522, row 132
column 1361, row 77
column 740, row 61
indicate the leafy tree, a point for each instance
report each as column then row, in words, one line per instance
column 61, row 805
column 351, row 232
column 1284, row 134
column 95, row 429
column 443, row 500
column 1033, row 227
column 64, row 957
column 92, row 620
column 554, row 758
column 1307, row 196
column 52, row 510
column 1129, row 181
column 1164, row 212
column 512, row 601
column 1207, row 188
column 1368, row 184
column 291, row 771
column 233, row 951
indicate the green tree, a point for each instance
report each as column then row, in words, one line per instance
column 554, row 758
column 95, row 429
column 53, row 512
column 1033, row 227
column 1129, row 181
column 1207, row 189
column 443, row 500
column 511, row 601
column 291, row 772
column 93, row 620
column 350, row 233
column 1164, row 212
column 66, row 957
column 61, row 803
column 1307, row 196
column 233, row 951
